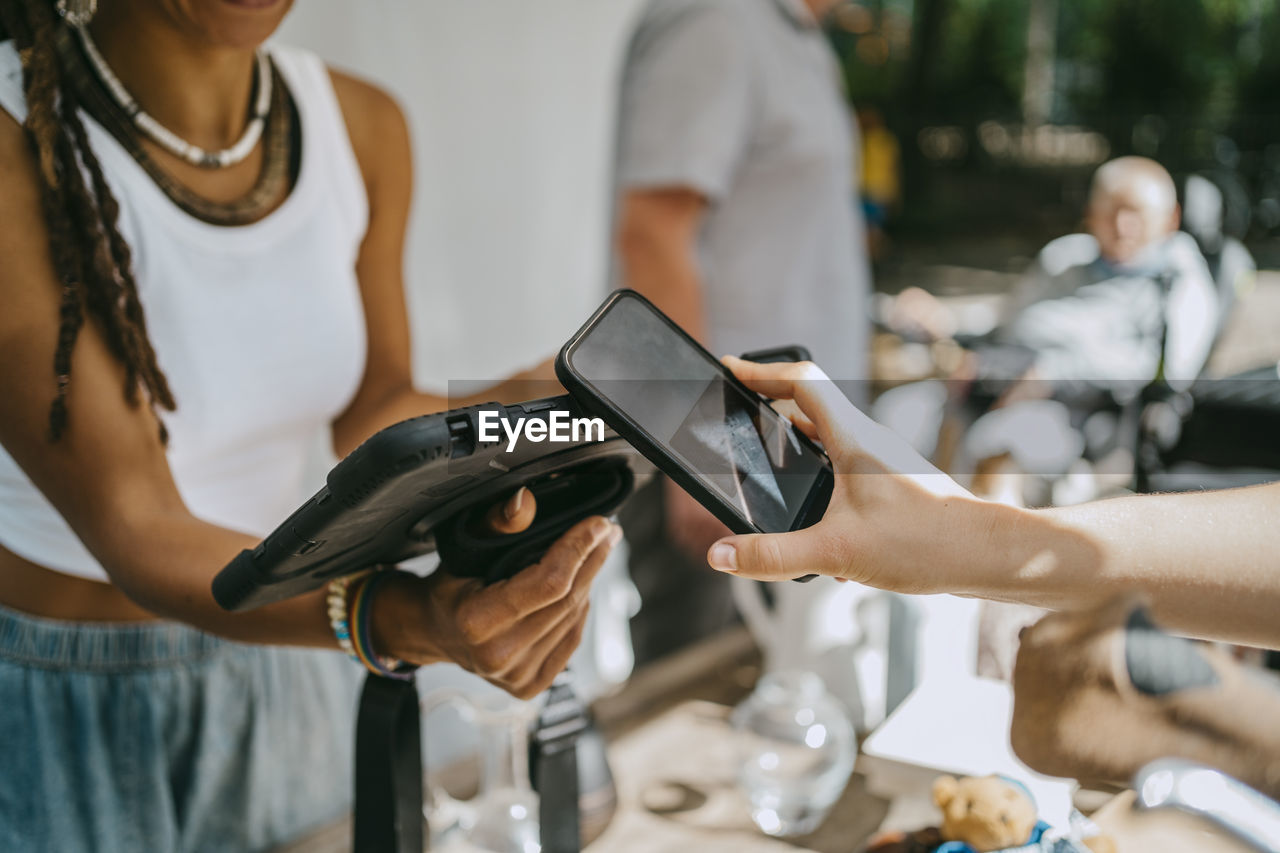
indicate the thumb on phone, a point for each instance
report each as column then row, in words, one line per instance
column 774, row 556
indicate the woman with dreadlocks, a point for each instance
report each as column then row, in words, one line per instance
column 200, row 268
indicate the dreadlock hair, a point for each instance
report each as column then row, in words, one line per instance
column 91, row 259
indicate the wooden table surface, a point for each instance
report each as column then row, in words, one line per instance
column 670, row 749
column 677, row 792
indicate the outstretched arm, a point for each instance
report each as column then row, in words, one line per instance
column 1207, row 562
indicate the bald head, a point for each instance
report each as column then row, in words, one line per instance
column 1133, row 204
column 1136, row 176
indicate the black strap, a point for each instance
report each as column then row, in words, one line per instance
column 388, row 797
column 553, row 762
column 468, row 548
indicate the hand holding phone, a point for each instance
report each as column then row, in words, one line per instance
column 894, row 520
column 680, row 407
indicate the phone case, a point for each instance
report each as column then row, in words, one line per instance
column 423, row 485
column 624, row 426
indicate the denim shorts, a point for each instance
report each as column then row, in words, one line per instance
column 157, row 737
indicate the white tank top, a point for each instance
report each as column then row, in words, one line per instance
column 259, row 328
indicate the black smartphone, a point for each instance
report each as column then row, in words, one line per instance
column 633, row 367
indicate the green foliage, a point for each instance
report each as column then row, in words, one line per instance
column 1194, row 63
column 980, row 68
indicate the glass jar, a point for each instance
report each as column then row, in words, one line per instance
column 796, row 749
column 503, row 815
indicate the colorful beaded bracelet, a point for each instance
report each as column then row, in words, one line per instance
column 350, row 605
column 336, row 601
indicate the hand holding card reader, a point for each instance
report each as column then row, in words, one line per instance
column 424, row 485
column 686, row 412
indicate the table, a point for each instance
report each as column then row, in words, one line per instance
column 671, row 755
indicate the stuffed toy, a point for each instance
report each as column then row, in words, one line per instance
column 991, row 813
column 985, row 813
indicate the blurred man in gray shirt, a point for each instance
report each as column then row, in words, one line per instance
column 736, row 216
column 736, row 150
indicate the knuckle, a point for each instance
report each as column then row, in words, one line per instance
column 542, row 680
column 575, row 635
column 518, row 673
column 554, row 586
column 834, row 552
column 580, row 596
column 769, row 555
column 472, row 624
column 579, row 543
column 506, row 683
column 489, row 659
column 574, row 598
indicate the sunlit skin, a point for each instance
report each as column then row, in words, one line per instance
column 213, row 24
column 820, row 8
column 1206, row 561
column 190, row 64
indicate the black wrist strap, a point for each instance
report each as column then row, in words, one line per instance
column 388, row 796
column 389, row 772
column 553, row 766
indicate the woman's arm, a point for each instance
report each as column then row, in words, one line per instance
column 1208, row 562
column 108, row 476
column 380, row 138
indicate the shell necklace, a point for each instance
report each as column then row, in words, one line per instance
column 167, row 139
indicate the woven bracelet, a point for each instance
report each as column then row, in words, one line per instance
column 360, row 599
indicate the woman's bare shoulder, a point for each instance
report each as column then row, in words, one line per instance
column 377, row 127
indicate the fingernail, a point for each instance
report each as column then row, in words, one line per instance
column 615, row 535
column 513, row 505
column 723, row 557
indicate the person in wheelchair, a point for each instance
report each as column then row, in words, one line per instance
column 1097, row 317
column 1130, row 299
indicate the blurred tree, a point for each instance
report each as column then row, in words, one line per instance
column 1194, row 83
column 981, row 64
column 1257, row 121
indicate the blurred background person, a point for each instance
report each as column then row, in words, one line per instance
column 736, row 152
column 1129, row 299
column 1097, row 315
column 880, row 179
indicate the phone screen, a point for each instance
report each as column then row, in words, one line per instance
column 673, row 390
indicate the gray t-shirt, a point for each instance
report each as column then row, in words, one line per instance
column 740, row 101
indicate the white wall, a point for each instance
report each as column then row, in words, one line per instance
column 511, row 106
